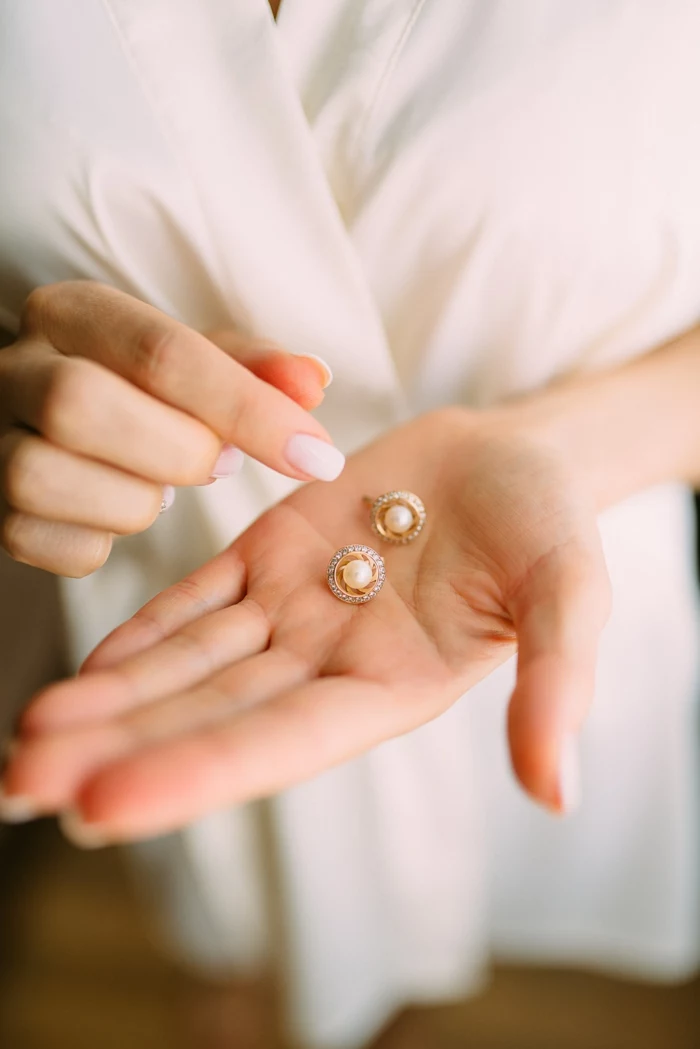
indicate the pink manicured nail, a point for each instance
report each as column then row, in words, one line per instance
column 168, row 498
column 569, row 774
column 84, row 835
column 229, row 462
column 314, row 457
column 16, row 808
column 325, row 368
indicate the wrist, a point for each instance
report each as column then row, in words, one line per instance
column 571, row 425
column 621, row 430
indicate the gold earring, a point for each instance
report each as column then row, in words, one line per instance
column 356, row 574
column 397, row 517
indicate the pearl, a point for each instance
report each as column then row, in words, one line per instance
column 357, row 574
column 398, row 519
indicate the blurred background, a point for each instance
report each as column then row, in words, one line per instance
column 81, row 968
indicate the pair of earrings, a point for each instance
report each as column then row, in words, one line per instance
column 356, row 574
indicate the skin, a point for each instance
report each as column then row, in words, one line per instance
column 104, row 400
column 253, row 677
column 277, row 680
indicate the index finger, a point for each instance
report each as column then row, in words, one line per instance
column 179, row 366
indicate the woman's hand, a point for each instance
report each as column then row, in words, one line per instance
column 104, row 401
column 250, row 676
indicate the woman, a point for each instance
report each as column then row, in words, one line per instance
column 455, row 204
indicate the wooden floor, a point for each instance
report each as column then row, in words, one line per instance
column 77, row 971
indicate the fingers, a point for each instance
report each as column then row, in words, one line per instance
column 262, row 751
column 216, row 585
column 68, row 550
column 113, row 381
column 303, row 378
column 185, row 370
column 123, row 792
column 87, row 409
column 178, row 663
column 51, row 768
column 44, row 481
column 559, row 613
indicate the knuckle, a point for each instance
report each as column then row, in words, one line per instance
column 49, row 301
column 154, row 354
column 189, row 592
column 38, row 305
column 68, row 400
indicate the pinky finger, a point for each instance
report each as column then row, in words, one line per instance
column 64, row 549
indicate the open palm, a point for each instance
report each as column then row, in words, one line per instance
column 251, row 676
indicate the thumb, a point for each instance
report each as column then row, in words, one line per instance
column 559, row 611
column 301, row 377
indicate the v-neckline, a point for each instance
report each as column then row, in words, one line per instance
column 235, row 125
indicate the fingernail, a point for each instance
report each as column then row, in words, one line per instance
column 325, row 368
column 229, row 462
column 84, row 835
column 168, row 498
column 16, row 808
column 314, row 457
column 569, row 774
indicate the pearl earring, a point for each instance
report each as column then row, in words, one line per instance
column 397, row 517
column 356, row 574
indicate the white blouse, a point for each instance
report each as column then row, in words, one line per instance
column 450, row 201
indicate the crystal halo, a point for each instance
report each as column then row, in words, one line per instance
column 384, row 503
column 343, row 557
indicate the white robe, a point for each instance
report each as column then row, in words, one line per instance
column 449, row 200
